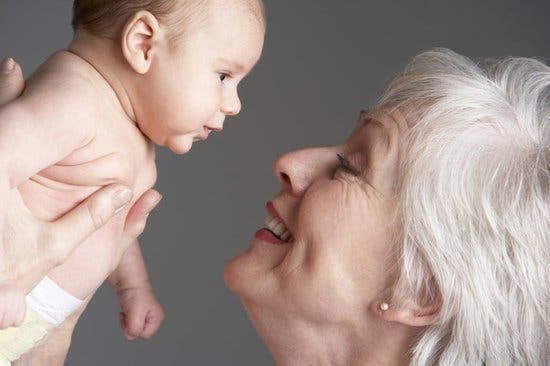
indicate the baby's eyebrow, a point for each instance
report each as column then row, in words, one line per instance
column 235, row 65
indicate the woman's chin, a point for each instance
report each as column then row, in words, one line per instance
column 233, row 276
column 243, row 272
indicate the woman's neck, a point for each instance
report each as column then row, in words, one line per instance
column 376, row 344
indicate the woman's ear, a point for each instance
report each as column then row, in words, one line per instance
column 408, row 313
column 141, row 39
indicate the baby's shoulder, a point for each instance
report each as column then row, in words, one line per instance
column 65, row 80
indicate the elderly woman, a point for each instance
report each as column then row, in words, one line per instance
column 423, row 239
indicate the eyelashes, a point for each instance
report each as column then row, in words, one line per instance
column 346, row 167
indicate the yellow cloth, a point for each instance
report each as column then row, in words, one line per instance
column 15, row 341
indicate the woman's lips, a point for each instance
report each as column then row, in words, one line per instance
column 276, row 231
column 270, row 207
column 268, row 237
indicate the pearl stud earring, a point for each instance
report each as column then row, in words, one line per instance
column 384, row 306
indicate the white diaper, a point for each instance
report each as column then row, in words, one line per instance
column 48, row 305
column 52, row 302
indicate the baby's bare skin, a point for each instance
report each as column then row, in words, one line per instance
column 115, row 152
column 177, row 94
column 110, row 149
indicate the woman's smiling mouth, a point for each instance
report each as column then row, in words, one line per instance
column 276, row 231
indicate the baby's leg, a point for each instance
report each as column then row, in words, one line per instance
column 63, row 291
column 90, row 263
column 47, row 307
column 54, row 348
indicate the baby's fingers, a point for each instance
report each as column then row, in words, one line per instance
column 134, row 324
column 152, row 324
column 124, row 326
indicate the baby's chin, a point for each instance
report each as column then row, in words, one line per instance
column 180, row 144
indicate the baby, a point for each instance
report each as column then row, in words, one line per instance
column 137, row 72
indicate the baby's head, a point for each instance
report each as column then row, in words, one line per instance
column 185, row 59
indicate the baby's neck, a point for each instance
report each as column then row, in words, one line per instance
column 105, row 56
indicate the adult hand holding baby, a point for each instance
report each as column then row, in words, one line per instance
column 26, row 264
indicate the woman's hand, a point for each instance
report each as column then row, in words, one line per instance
column 30, row 247
column 11, row 81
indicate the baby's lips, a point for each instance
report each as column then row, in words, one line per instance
column 215, row 129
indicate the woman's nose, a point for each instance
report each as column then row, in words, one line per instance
column 296, row 170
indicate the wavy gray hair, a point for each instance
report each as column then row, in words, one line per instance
column 474, row 207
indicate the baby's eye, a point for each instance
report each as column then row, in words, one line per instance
column 346, row 167
column 223, row 75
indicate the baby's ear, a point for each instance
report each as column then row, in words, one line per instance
column 141, row 38
column 407, row 313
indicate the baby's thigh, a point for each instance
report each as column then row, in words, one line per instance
column 90, row 263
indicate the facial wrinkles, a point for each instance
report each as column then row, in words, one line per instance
column 346, row 191
column 381, row 137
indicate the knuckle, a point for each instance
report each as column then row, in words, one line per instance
column 97, row 215
column 8, row 83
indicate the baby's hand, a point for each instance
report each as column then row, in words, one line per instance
column 142, row 314
column 12, row 305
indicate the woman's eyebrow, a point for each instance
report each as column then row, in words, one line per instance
column 369, row 119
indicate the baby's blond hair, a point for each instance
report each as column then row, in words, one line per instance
column 104, row 18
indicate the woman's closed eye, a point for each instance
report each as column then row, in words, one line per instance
column 346, row 167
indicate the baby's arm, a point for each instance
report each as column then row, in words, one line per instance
column 141, row 314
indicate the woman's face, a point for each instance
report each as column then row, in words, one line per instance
column 339, row 217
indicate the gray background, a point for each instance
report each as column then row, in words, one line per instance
column 324, row 60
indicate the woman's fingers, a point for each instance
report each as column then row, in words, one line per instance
column 11, row 81
column 137, row 217
column 69, row 231
column 65, row 234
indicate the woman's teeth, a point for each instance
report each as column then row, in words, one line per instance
column 278, row 228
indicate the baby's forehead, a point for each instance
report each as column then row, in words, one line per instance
column 223, row 16
column 238, row 9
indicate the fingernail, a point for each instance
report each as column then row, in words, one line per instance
column 121, row 197
column 154, row 205
column 146, row 214
column 7, row 65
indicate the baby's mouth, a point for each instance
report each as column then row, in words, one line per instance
column 203, row 135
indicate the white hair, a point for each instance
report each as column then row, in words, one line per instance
column 474, row 207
